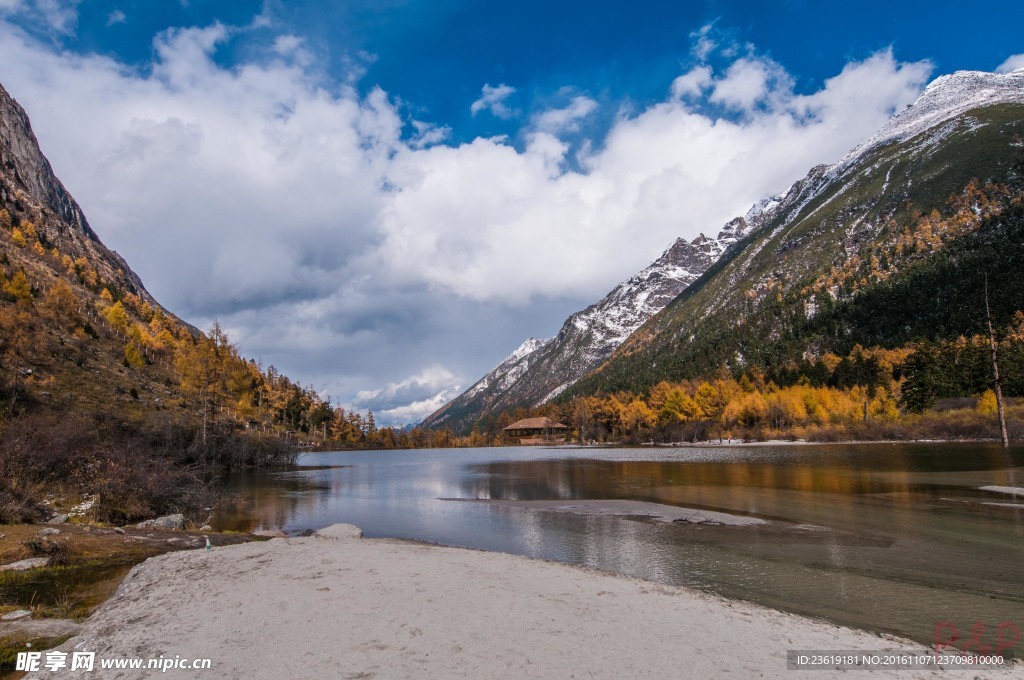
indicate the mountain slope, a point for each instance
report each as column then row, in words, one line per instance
column 539, row 370
column 77, row 327
column 837, row 234
column 31, row 192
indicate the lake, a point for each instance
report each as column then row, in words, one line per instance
column 894, row 538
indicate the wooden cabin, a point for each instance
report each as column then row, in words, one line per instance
column 535, row 431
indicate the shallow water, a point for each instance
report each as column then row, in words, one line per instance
column 73, row 591
column 889, row 537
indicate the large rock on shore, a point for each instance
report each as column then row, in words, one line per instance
column 340, row 532
column 166, row 522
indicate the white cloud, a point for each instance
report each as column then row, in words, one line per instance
column 428, row 134
column 293, row 47
column 56, row 16
column 663, row 172
column 493, row 99
column 693, row 83
column 239, row 177
column 61, row 15
column 412, row 399
column 749, row 82
column 262, row 20
column 287, row 44
column 1013, row 63
column 566, row 119
column 703, row 43
column 116, row 17
column 349, row 256
column 875, row 89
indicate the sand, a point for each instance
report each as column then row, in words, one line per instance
column 1011, row 490
column 658, row 512
column 338, row 606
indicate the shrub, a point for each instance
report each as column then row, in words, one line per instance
column 59, row 552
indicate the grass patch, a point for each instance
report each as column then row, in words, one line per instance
column 12, row 644
column 66, row 592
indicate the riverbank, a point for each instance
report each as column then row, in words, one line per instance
column 53, row 576
column 335, row 605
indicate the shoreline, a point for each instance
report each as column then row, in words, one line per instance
column 1014, row 443
column 779, row 442
column 337, row 605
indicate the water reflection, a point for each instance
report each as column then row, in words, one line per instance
column 888, row 537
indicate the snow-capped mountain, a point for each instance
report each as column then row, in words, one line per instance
column 539, row 370
column 965, row 127
column 939, row 112
column 944, row 100
column 926, row 152
column 505, row 374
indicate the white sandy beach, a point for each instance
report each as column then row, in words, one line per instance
column 345, row 607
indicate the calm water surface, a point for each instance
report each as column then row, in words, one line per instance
column 889, row 537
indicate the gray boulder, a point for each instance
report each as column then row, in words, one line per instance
column 22, row 565
column 166, row 522
column 16, row 615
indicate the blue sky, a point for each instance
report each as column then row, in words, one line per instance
column 436, row 54
column 357, row 190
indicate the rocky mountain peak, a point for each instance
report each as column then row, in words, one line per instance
column 25, row 164
column 539, row 370
column 31, row 192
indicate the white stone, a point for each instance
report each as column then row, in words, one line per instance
column 340, row 532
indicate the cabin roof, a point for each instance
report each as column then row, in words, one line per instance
column 543, row 423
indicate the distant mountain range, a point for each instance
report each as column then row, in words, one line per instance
column 752, row 293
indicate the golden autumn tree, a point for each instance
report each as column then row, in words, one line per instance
column 19, row 288
column 117, row 317
column 210, row 370
column 679, row 406
column 60, row 304
column 635, row 414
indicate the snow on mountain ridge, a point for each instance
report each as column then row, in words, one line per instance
column 507, row 366
column 591, row 335
column 539, row 370
column 944, row 98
